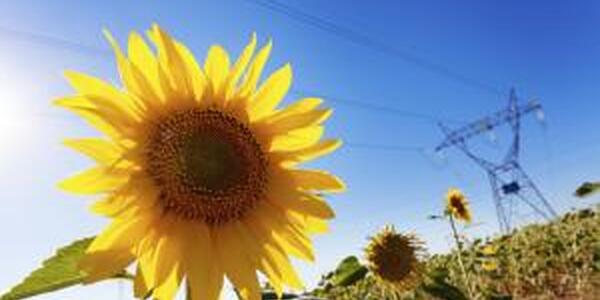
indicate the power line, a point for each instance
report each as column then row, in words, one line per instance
column 377, row 107
column 52, row 41
column 374, row 44
column 393, row 148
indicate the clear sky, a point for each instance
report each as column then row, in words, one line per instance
column 549, row 50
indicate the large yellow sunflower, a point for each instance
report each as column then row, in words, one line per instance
column 457, row 205
column 198, row 169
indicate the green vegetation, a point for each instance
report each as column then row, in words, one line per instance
column 557, row 260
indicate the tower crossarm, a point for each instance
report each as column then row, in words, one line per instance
column 486, row 124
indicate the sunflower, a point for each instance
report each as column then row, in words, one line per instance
column 489, row 265
column 457, row 205
column 489, row 250
column 395, row 259
column 198, row 170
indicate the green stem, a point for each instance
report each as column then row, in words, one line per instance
column 459, row 257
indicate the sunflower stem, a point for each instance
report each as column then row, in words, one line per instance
column 459, row 257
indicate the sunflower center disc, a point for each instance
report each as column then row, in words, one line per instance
column 457, row 203
column 393, row 258
column 207, row 165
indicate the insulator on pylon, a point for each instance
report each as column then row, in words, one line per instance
column 540, row 116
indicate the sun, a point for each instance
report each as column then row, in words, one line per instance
column 17, row 122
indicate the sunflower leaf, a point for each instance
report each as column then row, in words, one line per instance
column 444, row 290
column 348, row 272
column 587, row 189
column 438, row 287
column 57, row 272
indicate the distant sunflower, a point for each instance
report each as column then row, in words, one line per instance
column 394, row 259
column 198, row 170
column 457, row 205
column 489, row 250
column 489, row 265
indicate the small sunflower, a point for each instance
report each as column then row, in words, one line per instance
column 489, row 265
column 198, row 170
column 395, row 259
column 457, row 205
column 489, row 250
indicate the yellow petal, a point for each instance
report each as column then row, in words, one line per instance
column 143, row 59
column 95, row 180
column 145, row 252
column 102, row 151
column 104, row 116
column 254, row 71
column 301, row 106
column 284, row 193
column 120, row 234
column 277, row 259
column 216, row 67
column 105, row 264
column 273, row 259
column 254, row 243
column 308, row 153
column 236, row 264
column 313, row 180
column 310, row 224
column 112, row 206
column 140, row 289
column 297, row 139
column 92, row 86
column 303, row 203
column 166, row 258
column 171, row 61
column 168, row 288
column 205, row 277
column 194, row 71
column 100, row 93
column 240, row 66
column 285, row 232
column 134, row 197
column 270, row 93
column 111, row 250
column 131, row 82
column 297, row 121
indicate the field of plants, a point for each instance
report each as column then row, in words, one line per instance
column 558, row 260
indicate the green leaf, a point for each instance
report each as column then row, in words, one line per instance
column 443, row 290
column 348, row 272
column 58, row 272
column 439, row 288
column 596, row 258
column 587, row 188
column 270, row 295
column 439, row 274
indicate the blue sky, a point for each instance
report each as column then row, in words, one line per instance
column 547, row 50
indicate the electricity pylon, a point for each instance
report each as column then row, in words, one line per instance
column 510, row 184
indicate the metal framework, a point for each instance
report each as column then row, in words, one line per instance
column 510, row 184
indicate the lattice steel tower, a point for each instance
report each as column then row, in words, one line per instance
column 510, row 184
